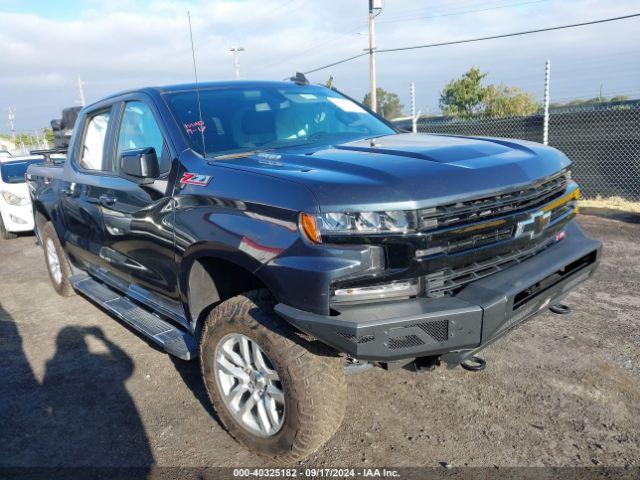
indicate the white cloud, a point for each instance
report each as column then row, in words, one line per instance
column 121, row 44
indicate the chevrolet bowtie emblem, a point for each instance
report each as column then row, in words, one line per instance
column 534, row 225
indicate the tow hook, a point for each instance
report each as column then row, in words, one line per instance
column 561, row 309
column 473, row 364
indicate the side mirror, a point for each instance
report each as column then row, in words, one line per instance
column 140, row 164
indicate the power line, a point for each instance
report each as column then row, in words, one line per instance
column 447, row 4
column 479, row 39
column 336, row 63
column 392, row 20
column 455, row 13
column 506, row 35
column 309, row 49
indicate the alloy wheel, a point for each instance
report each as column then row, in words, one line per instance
column 249, row 385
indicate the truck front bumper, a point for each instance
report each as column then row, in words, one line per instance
column 458, row 326
column 17, row 218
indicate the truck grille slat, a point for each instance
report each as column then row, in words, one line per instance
column 531, row 196
column 448, row 281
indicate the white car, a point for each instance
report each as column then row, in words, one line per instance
column 15, row 203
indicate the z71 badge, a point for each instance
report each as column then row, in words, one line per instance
column 195, row 179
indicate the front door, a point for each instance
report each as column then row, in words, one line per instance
column 137, row 215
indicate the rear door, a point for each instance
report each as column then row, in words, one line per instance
column 138, row 216
column 87, row 174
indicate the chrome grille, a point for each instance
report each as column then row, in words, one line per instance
column 531, row 196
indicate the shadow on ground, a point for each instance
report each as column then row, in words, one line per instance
column 80, row 415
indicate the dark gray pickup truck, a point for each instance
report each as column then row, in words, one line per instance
column 283, row 234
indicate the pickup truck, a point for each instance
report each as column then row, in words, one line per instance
column 283, row 234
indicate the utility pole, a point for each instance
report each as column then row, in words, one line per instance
column 547, row 80
column 12, row 116
column 375, row 7
column 81, row 89
column 236, row 60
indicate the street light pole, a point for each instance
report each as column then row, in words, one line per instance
column 236, row 60
column 81, row 89
column 12, row 116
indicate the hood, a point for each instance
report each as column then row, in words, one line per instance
column 21, row 189
column 407, row 171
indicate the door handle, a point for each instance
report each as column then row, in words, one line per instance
column 107, row 200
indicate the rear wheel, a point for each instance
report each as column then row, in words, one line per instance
column 7, row 235
column 57, row 263
column 275, row 392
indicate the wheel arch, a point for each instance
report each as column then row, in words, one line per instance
column 211, row 278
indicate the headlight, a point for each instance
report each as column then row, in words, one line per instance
column 360, row 223
column 13, row 199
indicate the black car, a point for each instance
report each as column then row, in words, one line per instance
column 283, row 233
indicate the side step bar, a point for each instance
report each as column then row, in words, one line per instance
column 173, row 340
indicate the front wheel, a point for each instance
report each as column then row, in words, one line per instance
column 275, row 392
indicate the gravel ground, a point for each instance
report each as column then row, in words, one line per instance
column 79, row 388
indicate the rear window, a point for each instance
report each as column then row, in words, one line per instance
column 13, row 172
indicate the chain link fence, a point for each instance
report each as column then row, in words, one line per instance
column 603, row 140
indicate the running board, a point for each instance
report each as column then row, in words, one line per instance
column 173, row 340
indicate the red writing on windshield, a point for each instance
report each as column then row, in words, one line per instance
column 193, row 127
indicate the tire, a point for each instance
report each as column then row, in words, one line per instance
column 7, row 235
column 51, row 244
column 311, row 377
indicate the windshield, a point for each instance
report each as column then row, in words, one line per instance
column 248, row 118
column 13, row 172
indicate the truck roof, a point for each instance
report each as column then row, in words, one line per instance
column 202, row 85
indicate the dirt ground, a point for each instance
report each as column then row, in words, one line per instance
column 79, row 388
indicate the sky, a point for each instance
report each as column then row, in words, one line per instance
column 120, row 44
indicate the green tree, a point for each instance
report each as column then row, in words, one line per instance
column 49, row 136
column 388, row 103
column 504, row 101
column 619, row 98
column 463, row 96
column 467, row 96
column 590, row 101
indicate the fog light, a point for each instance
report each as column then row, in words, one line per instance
column 405, row 288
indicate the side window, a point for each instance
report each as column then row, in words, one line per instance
column 140, row 130
column 92, row 156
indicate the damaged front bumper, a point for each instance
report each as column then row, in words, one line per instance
column 456, row 327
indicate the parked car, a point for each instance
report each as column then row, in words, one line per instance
column 284, row 234
column 15, row 202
